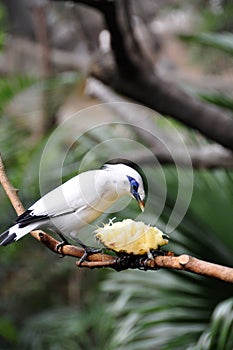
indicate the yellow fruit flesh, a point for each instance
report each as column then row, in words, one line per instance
column 130, row 237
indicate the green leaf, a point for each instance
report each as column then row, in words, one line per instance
column 221, row 100
column 219, row 334
column 11, row 86
column 67, row 329
column 171, row 309
column 223, row 41
column 8, row 330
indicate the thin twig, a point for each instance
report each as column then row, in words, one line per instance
column 99, row 260
column 10, row 190
column 12, row 194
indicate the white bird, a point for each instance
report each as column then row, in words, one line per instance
column 77, row 202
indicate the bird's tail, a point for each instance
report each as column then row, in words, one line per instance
column 14, row 233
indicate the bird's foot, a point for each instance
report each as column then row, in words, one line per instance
column 156, row 252
column 60, row 246
column 88, row 251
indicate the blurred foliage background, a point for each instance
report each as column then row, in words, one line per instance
column 46, row 302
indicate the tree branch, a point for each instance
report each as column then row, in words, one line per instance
column 166, row 98
column 182, row 262
column 134, row 75
column 209, row 156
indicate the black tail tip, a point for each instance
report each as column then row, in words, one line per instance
column 7, row 238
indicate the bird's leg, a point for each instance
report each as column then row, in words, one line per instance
column 64, row 242
column 87, row 250
column 156, row 252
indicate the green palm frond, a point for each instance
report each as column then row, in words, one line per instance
column 219, row 334
column 220, row 41
column 221, row 100
column 11, row 86
column 67, row 329
column 171, row 309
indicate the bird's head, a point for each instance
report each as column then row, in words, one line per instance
column 137, row 191
column 130, row 179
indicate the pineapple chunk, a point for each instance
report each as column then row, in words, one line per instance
column 131, row 237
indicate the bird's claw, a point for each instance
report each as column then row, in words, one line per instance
column 60, row 246
column 157, row 252
column 88, row 251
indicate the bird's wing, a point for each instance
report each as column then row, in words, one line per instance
column 74, row 196
column 29, row 217
column 63, row 200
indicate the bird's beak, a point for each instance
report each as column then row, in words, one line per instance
column 141, row 205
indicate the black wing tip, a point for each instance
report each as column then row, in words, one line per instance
column 7, row 238
column 4, row 235
column 28, row 218
column 24, row 215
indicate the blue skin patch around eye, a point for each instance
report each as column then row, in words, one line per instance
column 134, row 188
